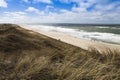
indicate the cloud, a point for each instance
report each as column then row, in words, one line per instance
column 13, row 17
column 108, row 7
column 37, row 11
column 65, row 17
column 100, row 12
column 49, row 7
column 73, row 17
column 94, row 4
column 3, row 3
column 43, row 1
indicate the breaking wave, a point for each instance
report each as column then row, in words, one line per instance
column 99, row 36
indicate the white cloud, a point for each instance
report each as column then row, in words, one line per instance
column 13, row 17
column 98, row 4
column 32, row 9
column 73, row 17
column 37, row 11
column 101, row 13
column 78, row 9
column 82, row 4
column 3, row 3
column 43, row 1
column 65, row 17
column 49, row 7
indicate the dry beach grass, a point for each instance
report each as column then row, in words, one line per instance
column 27, row 55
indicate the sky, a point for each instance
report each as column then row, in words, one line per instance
column 60, row 11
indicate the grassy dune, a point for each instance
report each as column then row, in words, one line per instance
column 27, row 55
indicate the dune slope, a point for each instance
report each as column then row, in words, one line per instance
column 28, row 55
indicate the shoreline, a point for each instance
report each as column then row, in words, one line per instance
column 79, row 42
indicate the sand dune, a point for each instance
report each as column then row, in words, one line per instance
column 29, row 55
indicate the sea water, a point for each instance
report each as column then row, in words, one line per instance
column 103, row 33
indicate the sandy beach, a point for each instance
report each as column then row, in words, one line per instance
column 79, row 42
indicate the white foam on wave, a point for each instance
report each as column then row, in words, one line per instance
column 107, row 37
column 105, row 27
column 115, row 28
column 102, row 27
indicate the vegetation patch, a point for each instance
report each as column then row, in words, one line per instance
column 37, row 57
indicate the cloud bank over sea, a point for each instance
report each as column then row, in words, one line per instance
column 60, row 11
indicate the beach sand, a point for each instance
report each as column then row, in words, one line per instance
column 79, row 42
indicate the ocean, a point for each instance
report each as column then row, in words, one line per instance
column 96, row 32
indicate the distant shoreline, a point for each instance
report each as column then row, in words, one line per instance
column 82, row 43
column 72, row 24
